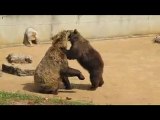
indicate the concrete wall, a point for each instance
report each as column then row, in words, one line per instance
column 12, row 27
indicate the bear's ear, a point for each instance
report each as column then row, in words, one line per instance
column 75, row 31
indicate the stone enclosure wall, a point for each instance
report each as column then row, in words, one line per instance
column 12, row 27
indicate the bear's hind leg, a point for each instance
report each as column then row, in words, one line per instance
column 66, row 83
column 101, row 82
column 95, row 81
column 48, row 91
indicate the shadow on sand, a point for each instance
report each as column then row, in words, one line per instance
column 32, row 88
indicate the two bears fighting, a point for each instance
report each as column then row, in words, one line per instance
column 54, row 66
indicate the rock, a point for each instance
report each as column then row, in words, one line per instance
column 30, row 37
column 68, row 98
column 157, row 39
column 19, row 58
column 18, row 69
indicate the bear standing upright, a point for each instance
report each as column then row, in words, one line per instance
column 88, row 58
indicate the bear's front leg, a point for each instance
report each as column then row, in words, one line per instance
column 70, row 55
column 70, row 72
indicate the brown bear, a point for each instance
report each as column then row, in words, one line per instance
column 88, row 58
column 53, row 68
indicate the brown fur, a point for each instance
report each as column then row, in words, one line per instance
column 88, row 57
column 53, row 68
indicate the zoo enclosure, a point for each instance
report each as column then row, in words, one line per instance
column 12, row 27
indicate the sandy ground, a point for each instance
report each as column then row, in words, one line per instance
column 131, row 73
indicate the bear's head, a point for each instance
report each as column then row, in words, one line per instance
column 76, row 36
column 60, row 39
column 73, row 35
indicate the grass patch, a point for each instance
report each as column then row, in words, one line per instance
column 9, row 98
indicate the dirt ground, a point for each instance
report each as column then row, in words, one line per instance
column 131, row 73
